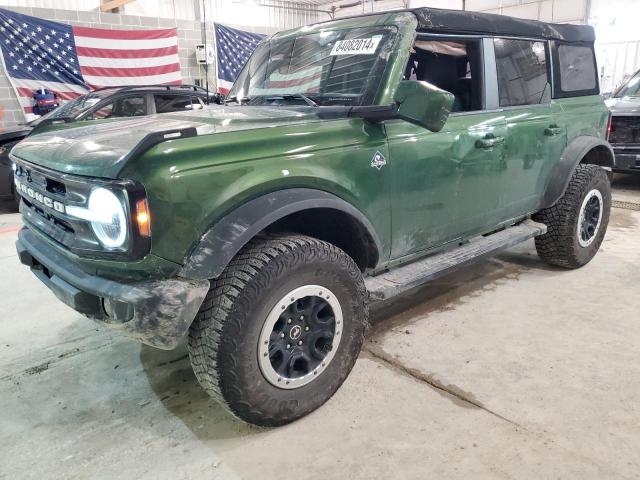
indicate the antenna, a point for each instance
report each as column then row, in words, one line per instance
column 206, row 64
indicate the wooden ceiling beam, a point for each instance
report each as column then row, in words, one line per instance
column 110, row 5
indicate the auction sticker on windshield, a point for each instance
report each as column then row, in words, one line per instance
column 356, row 46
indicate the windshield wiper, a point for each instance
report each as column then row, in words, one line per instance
column 286, row 96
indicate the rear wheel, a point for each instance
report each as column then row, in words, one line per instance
column 577, row 223
column 280, row 329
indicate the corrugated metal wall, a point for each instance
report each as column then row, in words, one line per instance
column 272, row 15
column 573, row 11
column 182, row 9
column 84, row 5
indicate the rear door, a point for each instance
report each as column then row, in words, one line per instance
column 536, row 128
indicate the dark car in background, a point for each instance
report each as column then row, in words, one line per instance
column 109, row 102
column 624, row 125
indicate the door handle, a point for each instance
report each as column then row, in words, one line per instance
column 489, row 141
column 552, row 130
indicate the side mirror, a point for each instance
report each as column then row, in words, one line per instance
column 423, row 104
column 217, row 98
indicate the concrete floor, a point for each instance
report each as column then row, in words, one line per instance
column 509, row 369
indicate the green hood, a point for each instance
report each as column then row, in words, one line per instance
column 102, row 149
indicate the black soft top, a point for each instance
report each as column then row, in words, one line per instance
column 464, row 21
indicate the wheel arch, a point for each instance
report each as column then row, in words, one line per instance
column 290, row 210
column 583, row 149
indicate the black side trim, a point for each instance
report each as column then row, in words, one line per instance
column 571, row 157
column 225, row 238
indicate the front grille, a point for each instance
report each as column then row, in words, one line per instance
column 45, row 194
column 624, row 130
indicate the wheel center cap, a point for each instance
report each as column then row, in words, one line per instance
column 295, row 332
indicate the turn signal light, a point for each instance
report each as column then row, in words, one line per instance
column 143, row 217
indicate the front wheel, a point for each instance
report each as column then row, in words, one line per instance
column 577, row 223
column 280, row 330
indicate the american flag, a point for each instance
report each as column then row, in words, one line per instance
column 71, row 60
column 233, row 48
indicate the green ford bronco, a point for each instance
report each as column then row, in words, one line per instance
column 352, row 161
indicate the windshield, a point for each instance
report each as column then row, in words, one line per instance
column 629, row 89
column 340, row 67
column 71, row 109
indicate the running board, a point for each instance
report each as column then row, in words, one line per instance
column 401, row 279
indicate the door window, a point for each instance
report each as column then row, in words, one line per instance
column 452, row 65
column 103, row 112
column 133, row 106
column 522, row 72
column 176, row 103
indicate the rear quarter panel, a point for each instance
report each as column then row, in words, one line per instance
column 584, row 116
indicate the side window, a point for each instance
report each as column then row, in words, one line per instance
column 176, row 103
column 522, row 72
column 133, row 106
column 577, row 68
column 103, row 112
column 452, row 65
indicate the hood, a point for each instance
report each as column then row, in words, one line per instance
column 624, row 105
column 101, row 149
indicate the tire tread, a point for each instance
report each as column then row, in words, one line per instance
column 557, row 246
column 212, row 335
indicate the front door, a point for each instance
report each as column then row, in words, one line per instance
column 445, row 184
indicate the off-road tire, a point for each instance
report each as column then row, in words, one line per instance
column 223, row 339
column 560, row 245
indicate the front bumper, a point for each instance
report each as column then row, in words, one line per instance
column 156, row 312
column 627, row 159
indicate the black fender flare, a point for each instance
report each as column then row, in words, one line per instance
column 572, row 155
column 224, row 239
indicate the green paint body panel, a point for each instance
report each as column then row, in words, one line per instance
column 193, row 182
column 435, row 188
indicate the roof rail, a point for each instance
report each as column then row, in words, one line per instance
column 123, row 88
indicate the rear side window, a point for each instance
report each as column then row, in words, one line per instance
column 523, row 77
column 577, row 68
column 130, row 107
column 176, row 103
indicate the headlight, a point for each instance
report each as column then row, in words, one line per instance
column 109, row 221
column 107, row 216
